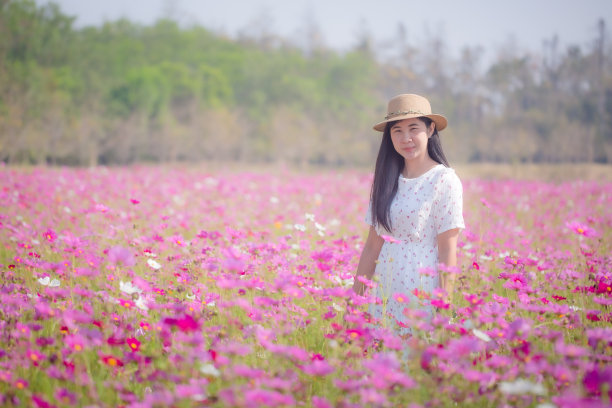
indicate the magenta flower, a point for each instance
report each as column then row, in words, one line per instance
column 50, row 235
column 518, row 329
column 65, row 397
column 320, row 402
column 260, row 397
column 185, row 324
column 40, row 402
column 570, row 350
column 318, row 368
column 596, row 379
column 121, row 256
column 581, row 229
column 133, row 343
column 440, row 304
column 390, row 239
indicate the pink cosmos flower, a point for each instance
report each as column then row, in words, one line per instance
column 428, row 271
column 440, row 304
column 318, row 368
column 65, row 397
column 581, row 229
column 185, row 324
column 390, row 239
column 371, row 397
column 473, row 299
column 20, row 383
column 128, row 304
column 101, row 208
column 40, row 402
column 570, row 350
column 119, row 255
column 111, row 361
column 50, row 235
column 260, row 397
column 320, row 402
column 598, row 378
column 420, row 294
column 133, row 343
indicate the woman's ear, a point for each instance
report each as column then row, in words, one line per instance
column 432, row 128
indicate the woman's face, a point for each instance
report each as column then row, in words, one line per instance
column 409, row 137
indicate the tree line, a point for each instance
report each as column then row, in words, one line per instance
column 123, row 93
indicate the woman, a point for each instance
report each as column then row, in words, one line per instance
column 415, row 212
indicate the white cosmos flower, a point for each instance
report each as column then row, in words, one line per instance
column 153, row 263
column 481, row 335
column 127, row 287
column 210, row 370
column 337, row 307
column 485, row 258
column 211, row 181
column 344, row 282
column 319, row 226
column 521, row 386
column 190, row 297
column 309, row 217
column 274, row 200
column 46, row 281
column 299, row 227
column 140, row 303
column 178, row 200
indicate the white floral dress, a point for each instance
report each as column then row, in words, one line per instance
column 422, row 208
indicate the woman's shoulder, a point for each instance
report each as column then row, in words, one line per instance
column 442, row 171
column 446, row 175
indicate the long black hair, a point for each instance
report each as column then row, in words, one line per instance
column 389, row 165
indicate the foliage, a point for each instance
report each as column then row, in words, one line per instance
column 55, row 80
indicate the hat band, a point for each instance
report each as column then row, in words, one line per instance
column 408, row 112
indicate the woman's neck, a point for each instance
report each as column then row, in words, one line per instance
column 414, row 169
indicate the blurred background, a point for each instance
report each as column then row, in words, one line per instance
column 121, row 82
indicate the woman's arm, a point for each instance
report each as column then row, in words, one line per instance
column 367, row 261
column 447, row 255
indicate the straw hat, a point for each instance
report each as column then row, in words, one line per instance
column 406, row 106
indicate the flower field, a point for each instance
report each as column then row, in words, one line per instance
column 163, row 286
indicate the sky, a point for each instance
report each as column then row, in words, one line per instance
column 490, row 24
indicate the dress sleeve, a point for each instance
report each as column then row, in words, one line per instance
column 448, row 207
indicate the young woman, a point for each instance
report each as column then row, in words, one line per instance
column 415, row 212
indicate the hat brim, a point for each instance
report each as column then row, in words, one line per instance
column 439, row 120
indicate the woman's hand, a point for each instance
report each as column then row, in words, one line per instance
column 447, row 256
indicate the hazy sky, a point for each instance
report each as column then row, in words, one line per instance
column 489, row 23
